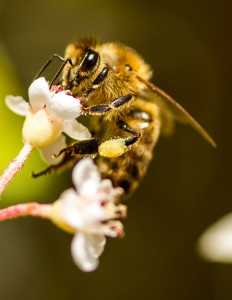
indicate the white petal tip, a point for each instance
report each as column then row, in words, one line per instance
column 48, row 153
column 65, row 106
column 84, row 249
column 86, row 178
column 215, row 243
column 76, row 130
column 39, row 94
column 17, row 104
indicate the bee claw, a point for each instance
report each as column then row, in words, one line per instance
column 57, row 155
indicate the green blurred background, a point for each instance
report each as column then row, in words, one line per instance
column 188, row 185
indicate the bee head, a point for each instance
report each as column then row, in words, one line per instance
column 85, row 61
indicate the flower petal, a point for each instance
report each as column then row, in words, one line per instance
column 71, row 210
column 86, row 249
column 17, row 104
column 86, row 178
column 54, row 148
column 96, row 244
column 80, row 215
column 76, row 130
column 64, row 106
column 39, row 94
column 215, row 244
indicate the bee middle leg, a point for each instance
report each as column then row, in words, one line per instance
column 127, row 128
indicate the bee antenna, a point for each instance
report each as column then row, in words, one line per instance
column 44, row 67
column 60, row 70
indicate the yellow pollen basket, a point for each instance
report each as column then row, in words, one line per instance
column 112, row 148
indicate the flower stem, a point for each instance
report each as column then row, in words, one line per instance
column 26, row 209
column 15, row 166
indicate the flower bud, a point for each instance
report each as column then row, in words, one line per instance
column 39, row 130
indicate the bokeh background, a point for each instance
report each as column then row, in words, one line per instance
column 188, row 185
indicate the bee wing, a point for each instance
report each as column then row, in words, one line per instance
column 172, row 109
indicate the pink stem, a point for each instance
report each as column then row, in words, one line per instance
column 15, row 166
column 25, row 209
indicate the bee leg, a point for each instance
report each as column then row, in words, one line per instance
column 86, row 147
column 67, row 162
column 103, row 108
column 107, row 148
column 96, row 83
column 127, row 128
column 116, row 147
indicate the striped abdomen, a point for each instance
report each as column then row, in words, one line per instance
column 128, row 169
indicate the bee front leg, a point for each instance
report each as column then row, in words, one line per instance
column 103, row 108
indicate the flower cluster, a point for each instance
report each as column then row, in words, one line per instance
column 48, row 114
column 90, row 210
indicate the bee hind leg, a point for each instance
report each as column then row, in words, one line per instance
column 117, row 147
column 67, row 162
column 107, row 148
column 86, row 147
column 72, row 154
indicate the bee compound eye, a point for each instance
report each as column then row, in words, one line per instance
column 90, row 60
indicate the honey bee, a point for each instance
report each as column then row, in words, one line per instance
column 128, row 113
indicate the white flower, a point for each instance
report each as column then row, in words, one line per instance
column 48, row 114
column 89, row 212
column 215, row 243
